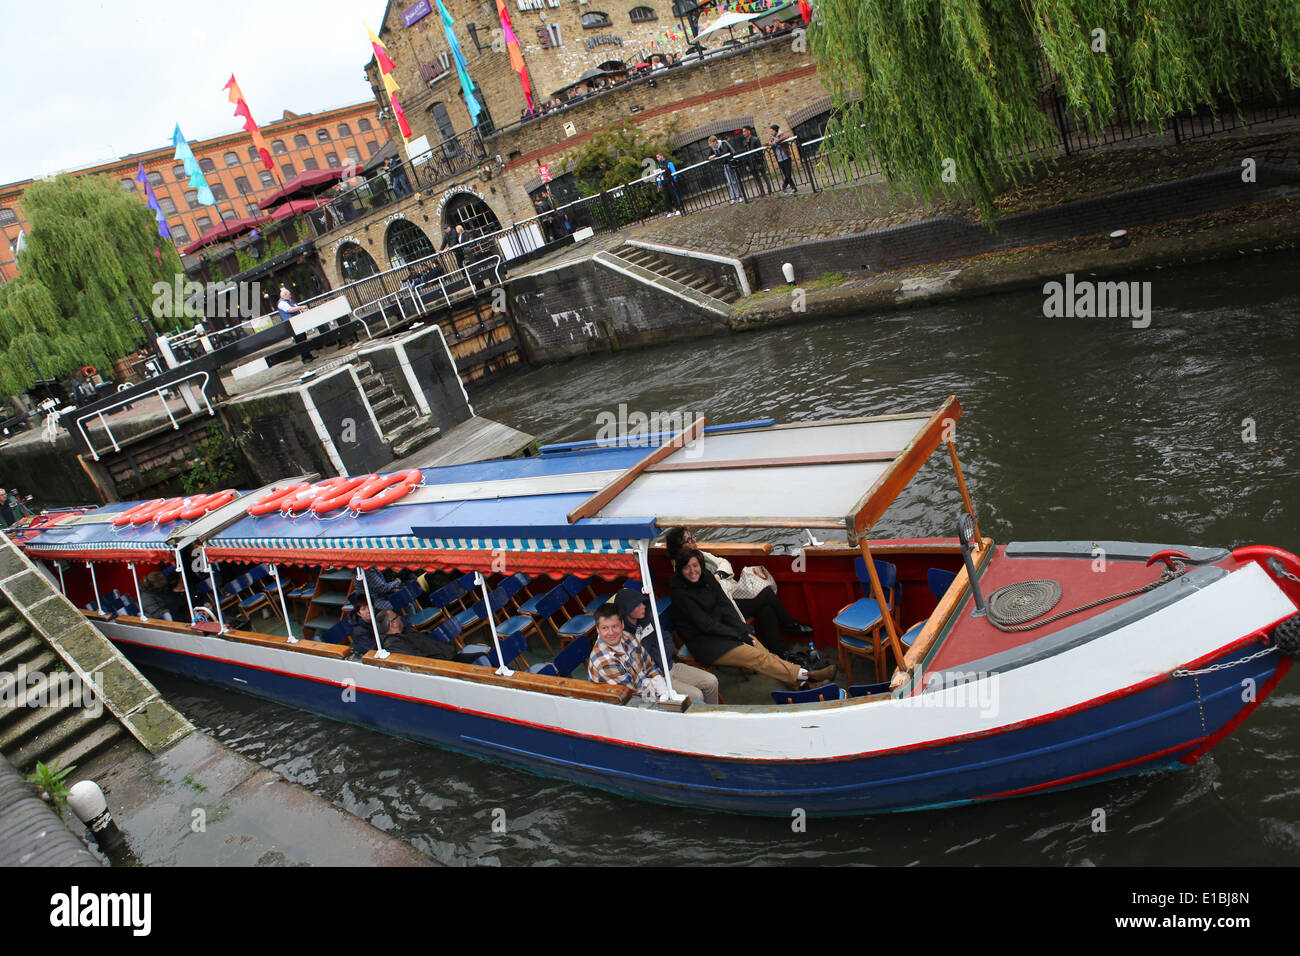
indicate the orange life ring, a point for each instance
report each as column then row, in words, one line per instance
column 145, row 514
column 325, row 503
column 303, row 500
column 271, row 500
column 172, row 509
column 200, row 506
column 126, row 516
column 88, row 370
column 384, row 490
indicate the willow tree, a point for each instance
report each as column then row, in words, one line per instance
column 949, row 94
column 91, row 259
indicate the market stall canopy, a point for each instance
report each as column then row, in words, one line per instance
column 226, row 229
column 309, row 182
column 295, row 207
column 592, row 74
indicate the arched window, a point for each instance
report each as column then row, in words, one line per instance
column 277, row 147
column 207, row 165
column 155, row 179
column 473, row 213
column 300, row 141
column 594, row 19
column 332, row 160
column 231, row 159
column 355, row 263
column 253, row 155
column 344, row 129
column 642, row 15
column 310, row 163
column 322, row 136
column 363, row 125
column 406, row 242
column 178, row 172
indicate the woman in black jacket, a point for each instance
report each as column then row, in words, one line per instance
column 715, row 634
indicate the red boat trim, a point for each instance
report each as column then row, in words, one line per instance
column 1075, row 778
column 1236, row 720
column 908, row 748
column 134, row 555
column 604, row 565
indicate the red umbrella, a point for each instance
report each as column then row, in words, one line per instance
column 307, row 183
column 294, row 207
column 226, row 229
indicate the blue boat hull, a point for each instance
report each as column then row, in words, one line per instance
column 1160, row 726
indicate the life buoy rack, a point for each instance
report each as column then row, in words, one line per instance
column 302, row 501
column 342, row 494
column 89, row 370
column 200, row 506
column 384, row 490
column 146, row 514
column 172, row 510
column 271, row 500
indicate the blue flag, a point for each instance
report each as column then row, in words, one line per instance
column 151, row 201
column 197, row 180
column 462, row 68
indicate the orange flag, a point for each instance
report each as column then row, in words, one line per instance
column 241, row 109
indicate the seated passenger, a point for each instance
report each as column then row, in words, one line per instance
column 363, row 631
column 716, row 634
column 765, row 607
column 399, row 640
column 638, row 625
column 380, row 588
column 153, row 596
column 616, row 660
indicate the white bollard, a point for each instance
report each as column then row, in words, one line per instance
column 86, row 800
column 788, row 271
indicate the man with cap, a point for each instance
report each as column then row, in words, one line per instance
column 638, row 625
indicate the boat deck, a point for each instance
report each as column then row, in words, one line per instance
column 974, row 638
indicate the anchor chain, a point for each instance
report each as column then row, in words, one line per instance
column 1183, row 672
column 1280, row 570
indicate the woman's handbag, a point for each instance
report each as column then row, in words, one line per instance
column 752, row 580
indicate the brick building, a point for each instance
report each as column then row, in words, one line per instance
column 773, row 81
column 331, row 138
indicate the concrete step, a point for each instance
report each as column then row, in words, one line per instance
column 21, row 650
column 40, row 661
column 17, row 724
column 416, row 441
column 59, row 738
column 14, row 633
column 387, row 405
column 86, row 746
column 7, row 615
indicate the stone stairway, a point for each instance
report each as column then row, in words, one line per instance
column 673, row 272
column 405, row 429
column 40, row 719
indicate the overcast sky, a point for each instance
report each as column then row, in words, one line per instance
column 92, row 81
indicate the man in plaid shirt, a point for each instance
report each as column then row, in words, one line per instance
column 616, row 660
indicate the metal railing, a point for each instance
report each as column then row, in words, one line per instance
column 138, row 396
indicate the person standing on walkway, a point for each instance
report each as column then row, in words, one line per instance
column 720, row 149
column 755, row 164
column 667, row 182
column 782, row 154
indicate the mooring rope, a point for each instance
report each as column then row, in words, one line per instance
column 1010, row 607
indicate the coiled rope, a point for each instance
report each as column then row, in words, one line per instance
column 1010, row 607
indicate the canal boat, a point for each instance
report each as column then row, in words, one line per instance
column 986, row 670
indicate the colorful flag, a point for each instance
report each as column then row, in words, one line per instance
column 386, row 67
column 805, row 10
column 241, row 109
column 516, row 54
column 151, row 201
column 197, row 181
column 462, row 68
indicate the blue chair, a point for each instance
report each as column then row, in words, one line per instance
column 447, row 632
column 440, row 602
column 543, row 609
column 810, row 696
column 858, row 625
column 404, row 597
column 335, row 634
column 512, row 649
column 939, row 581
column 567, row 661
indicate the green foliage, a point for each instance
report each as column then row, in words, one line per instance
column 244, row 260
column 616, row 156
column 219, row 462
column 53, row 783
column 92, row 248
column 924, row 81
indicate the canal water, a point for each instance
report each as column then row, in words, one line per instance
column 1183, row 432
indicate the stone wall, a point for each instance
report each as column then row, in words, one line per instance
column 583, row 308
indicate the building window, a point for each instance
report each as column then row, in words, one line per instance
column 128, row 184
column 354, row 156
column 332, row 160
column 253, row 155
column 202, row 223
column 642, row 15
column 178, row 173
column 310, row 163
column 207, row 165
column 345, row 129
column 219, row 192
column 241, row 183
column 180, row 235
column 231, row 159
column 442, row 121
column 372, row 147
column 288, row 171
column 7, row 216
column 322, row 136
column 277, row 147
column 267, row 179
column 407, row 243
column 229, row 214
column 191, row 197
column 355, row 263
column 166, row 205
column 300, row 141
column 155, row 179
column 363, row 125
column 592, row 20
